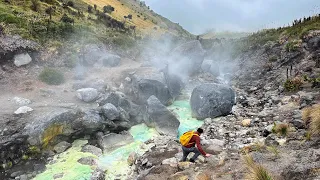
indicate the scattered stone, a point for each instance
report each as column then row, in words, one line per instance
column 15, row 174
column 21, row 101
column 87, row 94
column 98, row 174
column 110, row 111
column 202, row 176
column 61, row 147
column 299, row 124
column 57, row 176
column 178, row 176
column 23, row 110
column 246, row 122
column 173, row 162
column 24, row 177
column 22, row 59
column 184, row 165
column 132, row 158
column 92, row 149
column 87, row 161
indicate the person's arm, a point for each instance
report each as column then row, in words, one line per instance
column 199, row 145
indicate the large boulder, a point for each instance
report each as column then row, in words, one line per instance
column 12, row 45
column 110, row 60
column 161, row 118
column 142, row 87
column 91, row 54
column 211, row 100
column 22, row 59
column 87, row 94
column 98, row 84
column 187, row 58
column 90, row 121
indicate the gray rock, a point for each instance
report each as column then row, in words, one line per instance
column 110, row 60
column 142, row 87
column 110, row 111
column 118, row 99
column 87, row 94
column 98, row 84
column 98, row 174
column 123, row 115
column 91, row 54
column 161, row 118
column 300, row 171
column 22, row 59
column 211, row 100
column 23, row 110
column 15, row 174
column 58, row 120
column 112, row 141
column 314, row 43
column 92, row 149
column 57, row 176
column 24, row 177
column 87, row 161
column 21, row 101
column 90, row 121
column 61, row 147
column 299, row 124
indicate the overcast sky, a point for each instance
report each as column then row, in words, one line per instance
column 198, row 16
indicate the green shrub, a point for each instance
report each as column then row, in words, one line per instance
column 71, row 62
column 292, row 46
column 292, row 85
column 51, row 76
column 123, row 41
column 281, row 129
column 108, row 9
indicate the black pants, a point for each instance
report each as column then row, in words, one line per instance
column 186, row 152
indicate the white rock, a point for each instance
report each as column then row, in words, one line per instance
column 22, row 59
column 171, row 161
column 87, row 94
column 21, row 101
column 23, row 110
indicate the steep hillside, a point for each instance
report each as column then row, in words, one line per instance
column 52, row 19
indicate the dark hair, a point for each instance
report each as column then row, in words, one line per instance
column 200, row 130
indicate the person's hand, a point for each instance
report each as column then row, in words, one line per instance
column 208, row 155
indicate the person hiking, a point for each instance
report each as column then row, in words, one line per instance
column 188, row 141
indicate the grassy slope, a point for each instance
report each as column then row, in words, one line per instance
column 18, row 18
column 148, row 23
column 288, row 34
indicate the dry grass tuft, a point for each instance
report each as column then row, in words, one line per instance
column 282, row 129
column 311, row 117
column 255, row 171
